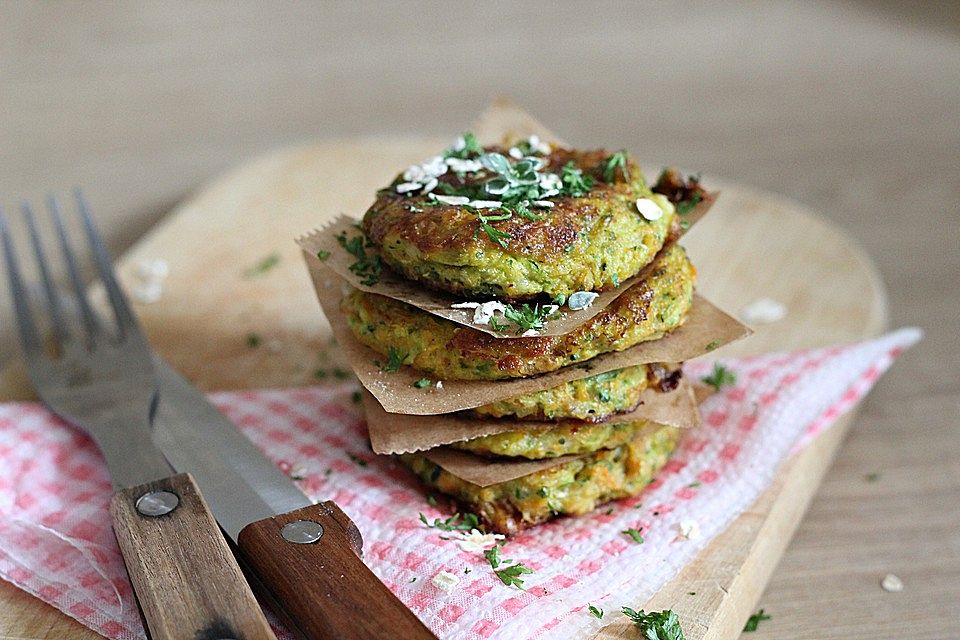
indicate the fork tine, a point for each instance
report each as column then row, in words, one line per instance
column 60, row 332
column 29, row 336
column 90, row 322
column 126, row 321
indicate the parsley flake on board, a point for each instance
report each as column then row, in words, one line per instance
column 422, row 383
column 367, row 266
column 322, row 254
column 633, row 533
column 596, row 612
column 253, row 340
column 615, row 162
column 656, row 625
column 712, row 345
column 262, row 266
column 754, row 621
column 721, row 376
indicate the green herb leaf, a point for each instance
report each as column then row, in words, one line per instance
column 422, row 383
column 527, row 317
column 394, row 360
column 355, row 397
column 322, row 254
column 453, row 523
column 367, row 266
column 261, row 267
column 656, row 625
column 754, row 621
column 495, row 235
column 688, row 205
column 357, row 460
column 574, row 182
column 471, row 147
column 712, row 345
column 493, row 555
column 595, row 612
column 720, row 377
column 510, row 575
column 614, row 162
column 497, row 326
column 431, row 500
column 633, row 533
column 253, row 340
column 872, row 477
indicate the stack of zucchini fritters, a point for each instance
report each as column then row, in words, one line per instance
column 535, row 228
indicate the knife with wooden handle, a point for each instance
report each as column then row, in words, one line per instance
column 306, row 557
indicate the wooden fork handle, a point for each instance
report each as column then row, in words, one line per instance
column 309, row 561
column 184, row 574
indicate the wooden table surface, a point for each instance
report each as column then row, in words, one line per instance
column 849, row 107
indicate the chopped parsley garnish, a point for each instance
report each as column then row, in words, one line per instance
column 261, row 267
column 320, row 373
column 394, row 360
column 712, row 345
column 754, row 621
column 510, row 573
column 355, row 397
column 422, row 383
column 471, row 147
column 357, row 459
column 633, row 533
column 453, row 523
column 872, row 477
column 412, row 580
column 493, row 233
column 617, row 161
column 323, row 254
column 688, row 205
column 720, row 377
column 253, row 340
column 656, row 625
column 340, row 374
column 595, row 612
column 432, row 500
column 574, row 182
column 527, row 317
column 497, row 326
column 367, row 266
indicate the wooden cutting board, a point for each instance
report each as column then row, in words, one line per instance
column 752, row 245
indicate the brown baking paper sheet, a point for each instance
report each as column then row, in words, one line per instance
column 393, row 285
column 706, row 328
column 484, row 472
column 399, row 433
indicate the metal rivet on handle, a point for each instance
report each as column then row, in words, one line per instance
column 302, row 531
column 157, row 503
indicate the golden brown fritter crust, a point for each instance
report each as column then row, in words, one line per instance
column 647, row 311
column 588, row 243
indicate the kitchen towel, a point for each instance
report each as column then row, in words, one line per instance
column 56, row 541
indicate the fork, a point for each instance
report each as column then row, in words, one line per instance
column 101, row 379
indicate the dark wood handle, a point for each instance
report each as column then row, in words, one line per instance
column 186, row 579
column 323, row 586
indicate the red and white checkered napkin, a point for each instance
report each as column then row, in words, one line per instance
column 56, row 541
